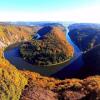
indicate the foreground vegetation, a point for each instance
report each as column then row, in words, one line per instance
column 44, row 88
column 12, row 82
column 25, row 85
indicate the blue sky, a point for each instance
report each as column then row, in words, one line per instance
column 42, row 5
column 50, row 10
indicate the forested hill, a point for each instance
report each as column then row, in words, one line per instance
column 85, row 36
column 51, row 48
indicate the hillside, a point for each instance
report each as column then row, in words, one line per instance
column 50, row 48
column 92, row 62
column 94, row 56
column 10, row 34
column 24, row 85
column 85, row 36
column 12, row 82
column 39, row 87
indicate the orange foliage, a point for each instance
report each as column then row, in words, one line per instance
column 57, row 31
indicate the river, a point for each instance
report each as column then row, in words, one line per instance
column 71, row 69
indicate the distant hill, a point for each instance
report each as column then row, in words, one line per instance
column 83, row 25
column 85, row 36
column 40, row 23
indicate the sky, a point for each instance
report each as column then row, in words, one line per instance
column 50, row 10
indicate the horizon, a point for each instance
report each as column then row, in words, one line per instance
column 86, row 11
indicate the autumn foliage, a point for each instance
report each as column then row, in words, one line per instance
column 12, row 82
column 51, row 49
column 10, row 34
column 26, row 85
column 69, row 89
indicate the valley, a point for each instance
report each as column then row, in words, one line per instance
column 72, row 79
column 13, row 56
